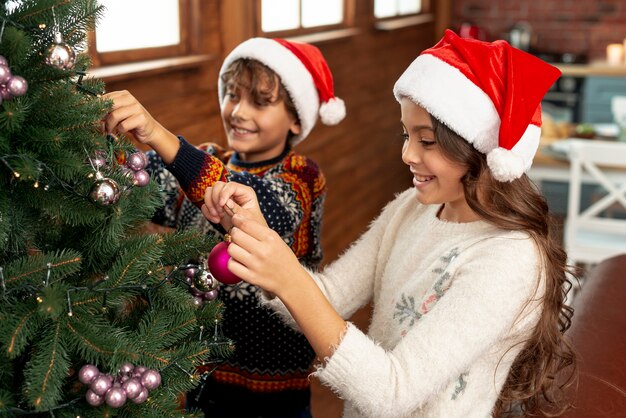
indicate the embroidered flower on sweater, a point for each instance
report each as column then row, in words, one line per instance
column 460, row 386
column 405, row 309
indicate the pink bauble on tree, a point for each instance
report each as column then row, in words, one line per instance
column 218, row 263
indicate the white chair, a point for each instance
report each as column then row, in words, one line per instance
column 591, row 236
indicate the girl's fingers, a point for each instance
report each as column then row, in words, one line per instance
column 210, row 214
column 244, row 241
column 251, row 227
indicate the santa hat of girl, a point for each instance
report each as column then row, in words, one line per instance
column 487, row 92
column 303, row 72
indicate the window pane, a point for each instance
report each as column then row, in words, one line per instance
column 385, row 8
column 321, row 12
column 407, row 7
column 280, row 15
column 137, row 24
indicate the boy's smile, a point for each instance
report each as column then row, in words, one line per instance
column 256, row 131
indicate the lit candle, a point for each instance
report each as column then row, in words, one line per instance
column 615, row 54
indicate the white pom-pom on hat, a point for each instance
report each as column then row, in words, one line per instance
column 303, row 72
column 333, row 111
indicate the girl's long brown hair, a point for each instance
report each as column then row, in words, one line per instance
column 547, row 363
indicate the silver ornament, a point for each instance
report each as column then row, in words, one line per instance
column 60, row 54
column 205, row 282
column 105, row 191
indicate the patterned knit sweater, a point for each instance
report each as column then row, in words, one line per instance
column 451, row 303
column 269, row 356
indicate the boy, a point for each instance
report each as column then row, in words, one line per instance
column 270, row 92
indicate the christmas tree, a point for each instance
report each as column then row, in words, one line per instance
column 97, row 318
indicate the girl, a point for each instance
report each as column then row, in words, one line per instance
column 466, row 280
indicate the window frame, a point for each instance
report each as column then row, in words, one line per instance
column 188, row 14
column 347, row 22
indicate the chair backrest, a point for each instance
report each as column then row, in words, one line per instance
column 591, row 161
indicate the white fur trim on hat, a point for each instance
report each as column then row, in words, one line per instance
column 508, row 165
column 293, row 74
column 448, row 95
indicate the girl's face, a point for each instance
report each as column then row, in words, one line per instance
column 257, row 131
column 437, row 179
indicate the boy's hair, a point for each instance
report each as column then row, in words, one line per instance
column 517, row 205
column 259, row 81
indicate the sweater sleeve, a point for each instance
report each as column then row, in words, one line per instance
column 487, row 305
column 291, row 195
column 346, row 291
column 196, row 170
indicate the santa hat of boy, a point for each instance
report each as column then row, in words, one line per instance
column 303, row 72
column 487, row 92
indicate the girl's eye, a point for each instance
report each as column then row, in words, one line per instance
column 404, row 136
column 231, row 95
column 427, row 143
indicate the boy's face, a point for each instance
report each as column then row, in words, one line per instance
column 257, row 131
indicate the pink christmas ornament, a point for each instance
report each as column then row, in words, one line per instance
column 5, row 93
column 141, row 398
column 137, row 161
column 88, row 373
column 133, row 387
column 17, row 86
column 101, row 384
column 210, row 295
column 151, row 379
column 218, row 264
column 5, row 74
column 93, row 399
column 141, row 178
column 115, row 397
column 126, row 368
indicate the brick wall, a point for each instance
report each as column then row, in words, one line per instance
column 578, row 26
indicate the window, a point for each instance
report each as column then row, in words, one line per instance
column 396, row 8
column 293, row 17
column 140, row 30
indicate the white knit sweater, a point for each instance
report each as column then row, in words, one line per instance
column 451, row 303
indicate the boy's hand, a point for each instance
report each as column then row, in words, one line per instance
column 128, row 116
column 223, row 200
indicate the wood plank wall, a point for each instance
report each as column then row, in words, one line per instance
column 360, row 157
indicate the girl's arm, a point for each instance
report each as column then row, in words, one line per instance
column 260, row 257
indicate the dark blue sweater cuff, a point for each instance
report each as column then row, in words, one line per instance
column 187, row 163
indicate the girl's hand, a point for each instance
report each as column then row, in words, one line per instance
column 223, row 200
column 260, row 257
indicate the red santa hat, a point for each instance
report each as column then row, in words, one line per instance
column 303, row 72
column 487, row 92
